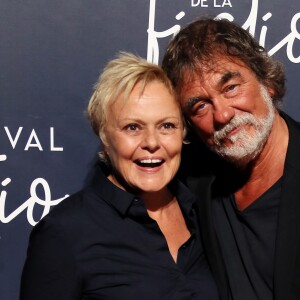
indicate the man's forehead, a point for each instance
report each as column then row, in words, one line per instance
column 215, row 67
column 213, row 73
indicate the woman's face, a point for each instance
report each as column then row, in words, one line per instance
column 144, row 135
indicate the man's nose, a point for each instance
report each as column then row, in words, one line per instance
column 222, row 114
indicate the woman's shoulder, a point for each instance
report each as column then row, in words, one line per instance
column 76, row 214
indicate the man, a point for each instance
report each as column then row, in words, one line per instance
column 230, row 91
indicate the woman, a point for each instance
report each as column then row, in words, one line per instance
column 133, row 233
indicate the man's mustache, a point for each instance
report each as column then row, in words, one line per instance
column 236, row 121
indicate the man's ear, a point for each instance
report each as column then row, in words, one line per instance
column 271, row 91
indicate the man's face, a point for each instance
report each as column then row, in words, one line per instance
column 230, row 109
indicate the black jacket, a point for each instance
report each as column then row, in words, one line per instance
column 287, row 252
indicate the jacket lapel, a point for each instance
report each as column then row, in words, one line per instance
column 202, row 188
column 287, row 246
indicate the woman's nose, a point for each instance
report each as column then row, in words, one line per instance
column 151, row 140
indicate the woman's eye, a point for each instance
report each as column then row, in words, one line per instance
column 131, row 127
column 168, row 125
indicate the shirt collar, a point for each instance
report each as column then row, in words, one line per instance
column 110, row 193
column 122, row 200
column 183, row 194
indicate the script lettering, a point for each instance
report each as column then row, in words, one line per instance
column 250, row 24
column 153, row 48
column 46, row 202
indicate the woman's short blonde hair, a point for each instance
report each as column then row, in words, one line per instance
column 120, row 76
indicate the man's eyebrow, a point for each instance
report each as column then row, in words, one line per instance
column 224, row 79
column 227, row 76
column 191, row 102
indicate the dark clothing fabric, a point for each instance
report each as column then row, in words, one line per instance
column 247, row 239
column 286, row 283
column 101, row 244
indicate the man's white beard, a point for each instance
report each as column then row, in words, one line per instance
column 245, row 147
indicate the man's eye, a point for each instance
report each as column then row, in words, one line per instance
column 199, row 108
column 231, row 88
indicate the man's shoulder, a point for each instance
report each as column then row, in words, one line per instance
column 290, row 121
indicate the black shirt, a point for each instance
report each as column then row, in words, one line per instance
column 247, row 240
column 101, row 244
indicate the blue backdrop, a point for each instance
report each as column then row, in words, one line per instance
column 51, row 53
